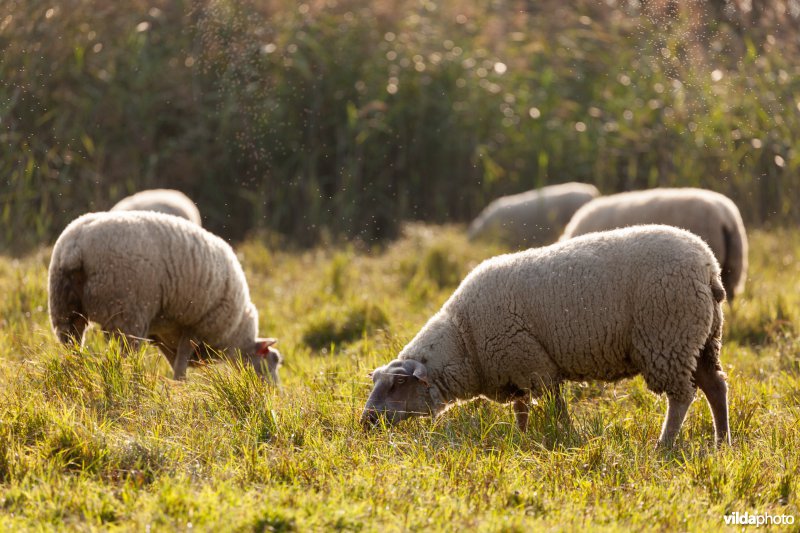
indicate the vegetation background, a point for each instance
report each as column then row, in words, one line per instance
column 338, row 121
column 346, row 117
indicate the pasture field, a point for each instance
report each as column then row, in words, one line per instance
column 95, row 441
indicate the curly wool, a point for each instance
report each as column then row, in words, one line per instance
column 167, row 201
column 532, row 218
column 710, row 215
column 144, row 273
column 605, row 306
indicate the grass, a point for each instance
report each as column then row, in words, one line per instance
column 97, row 441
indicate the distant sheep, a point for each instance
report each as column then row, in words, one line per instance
column 150, row 275
column 606, row 306
column 167, row 201
column 532, row 218
column 710, row 215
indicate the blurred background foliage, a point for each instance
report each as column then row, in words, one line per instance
column 343, row 118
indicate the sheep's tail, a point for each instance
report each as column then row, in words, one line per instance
column 65, row 290
column 719, row 293
column 709, row 356
column 735, row 263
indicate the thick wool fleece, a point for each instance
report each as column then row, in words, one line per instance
column 167, row 201
column 150, row 274
column 605, row 306
column 710, row 215
column 532, row 218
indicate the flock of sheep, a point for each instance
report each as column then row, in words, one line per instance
column 633, row 287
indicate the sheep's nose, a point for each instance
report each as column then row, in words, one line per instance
column 369, row 419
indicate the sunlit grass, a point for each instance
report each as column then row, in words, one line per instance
column 94, row 439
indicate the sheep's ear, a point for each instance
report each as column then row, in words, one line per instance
column 372, row 374
column 263, row 344
column 419, row 371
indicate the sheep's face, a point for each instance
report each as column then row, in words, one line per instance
column 266, row 360
column 401, row 391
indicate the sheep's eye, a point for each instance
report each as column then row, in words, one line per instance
column 400, row 381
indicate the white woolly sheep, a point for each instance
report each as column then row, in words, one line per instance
column 167, row 201
column 532, row 218
column 710, row 215
column 606, row 306
column 150, row 275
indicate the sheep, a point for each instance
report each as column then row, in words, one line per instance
column 532, row 218
column 605, row 306
column 141, row 274
column 167, row 201
column 710, row 215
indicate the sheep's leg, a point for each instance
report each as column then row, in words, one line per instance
column 184, row 352
column 521, row 410
column 712, row 382
column 74, row 330
column 563, row 413
column 560, row 406
column 676, row 412
column 168, row 351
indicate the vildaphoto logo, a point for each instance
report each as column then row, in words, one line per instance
column 758, row 519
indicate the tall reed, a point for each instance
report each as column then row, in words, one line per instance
column 344, row 117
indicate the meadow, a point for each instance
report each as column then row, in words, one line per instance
column 95, row 441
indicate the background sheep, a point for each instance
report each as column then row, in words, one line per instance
column 710, row 215
column 532, row 218
column 606, row 306
column 167, row 201
column 152, row 275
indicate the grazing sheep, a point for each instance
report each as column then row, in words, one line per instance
column 167, row 201
column 606, row 306
column 150, row 275
column 710, row 215
column 532, row 218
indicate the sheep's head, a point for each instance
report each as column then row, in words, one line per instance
column 267, row 359
column 401, row 390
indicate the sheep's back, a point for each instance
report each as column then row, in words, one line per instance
column 579, row 301
column 204, row 287
column 695, row 210
column 168, row 201
column 176, row 274
column 532, row 218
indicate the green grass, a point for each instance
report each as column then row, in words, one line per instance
column 97, row 441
